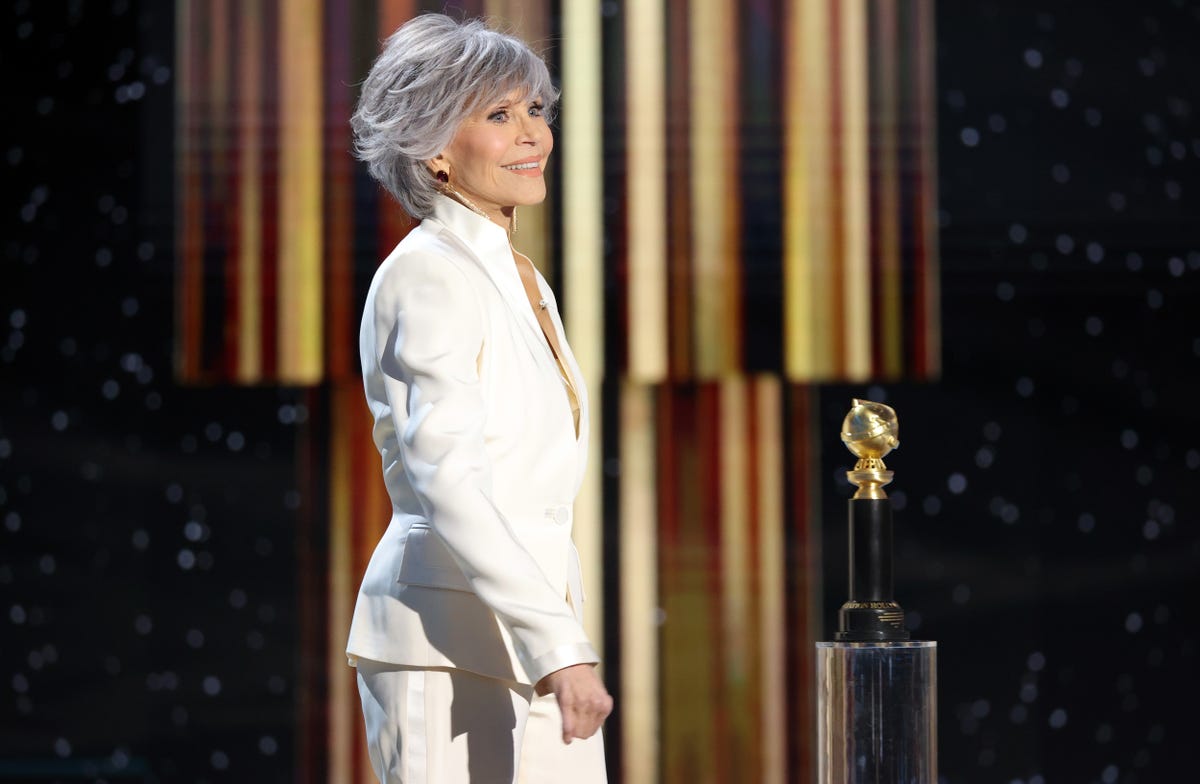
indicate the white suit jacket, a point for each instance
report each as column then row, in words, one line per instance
column 480, row 458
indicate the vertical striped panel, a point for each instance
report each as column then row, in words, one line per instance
column 887, row 302
column 189, row 244
column 645, row 205
column 736, row 618
column 767, row 447
column 709, row 460
column 844, row 255
column 638, row 600
column 340, row 335
column 359, row 511
column 715, row 281
column 688, row 580
column 927, row 319
column 582, row 256
column 342, row 587
column 301, row 322
column 803, row 577
column 806, row 241
column 249, row 121
column 854, row 218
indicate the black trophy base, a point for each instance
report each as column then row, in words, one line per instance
column 871, row 622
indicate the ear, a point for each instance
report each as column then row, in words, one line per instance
column 437, row 164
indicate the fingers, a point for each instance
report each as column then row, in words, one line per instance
column 582, row 719
column 582, row 700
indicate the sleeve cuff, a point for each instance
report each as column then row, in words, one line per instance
column 562, row 656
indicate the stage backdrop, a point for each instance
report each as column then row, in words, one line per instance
column 742, row 205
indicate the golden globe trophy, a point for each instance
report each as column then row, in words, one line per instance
column 876, row 689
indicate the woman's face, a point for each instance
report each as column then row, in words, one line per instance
column 498, row 156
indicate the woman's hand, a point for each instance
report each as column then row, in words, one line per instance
column 582, row 699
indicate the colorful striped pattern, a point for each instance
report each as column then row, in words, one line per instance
column 742, row 204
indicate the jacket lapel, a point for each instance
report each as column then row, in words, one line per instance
column 489, row 244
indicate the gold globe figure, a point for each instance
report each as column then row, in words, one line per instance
column 870, row 431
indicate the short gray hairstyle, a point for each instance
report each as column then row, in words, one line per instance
column 433, row 73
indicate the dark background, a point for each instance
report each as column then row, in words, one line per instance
column 1046, row 487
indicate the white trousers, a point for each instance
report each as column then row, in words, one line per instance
column 449, row 726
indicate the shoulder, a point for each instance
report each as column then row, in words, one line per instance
column 427, row 262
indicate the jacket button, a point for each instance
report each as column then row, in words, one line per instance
column 562, row 515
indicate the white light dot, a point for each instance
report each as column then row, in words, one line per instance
column 62, row 747
column 1058, row 718
column 1093, row 326
column 1176, row 267
column 1025, row 386
column 957, row 483
column 220, row 760
column 1095, row 252
column 211, row 685
column 1129, row 438
column 1151, row 529
column 186, row 559
column 195, row 638
column 1060, row 98
column 1087, row 522
column 1064, row 243
column 1017, row 233
column 997, row 123
column 1036, row 661
column 969, row 136
column 1005, row 291
column 267, row 745
column 1133, row 622
column 1033, row 58
column 59, row 420
column 142, row 624
column 1110, row 774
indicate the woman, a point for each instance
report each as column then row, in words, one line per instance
column 473, row 665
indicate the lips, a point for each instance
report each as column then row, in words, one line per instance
column 527, row 167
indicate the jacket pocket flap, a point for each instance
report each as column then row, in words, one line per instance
column 426, row 561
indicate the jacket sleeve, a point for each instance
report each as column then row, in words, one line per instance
column 429, row 333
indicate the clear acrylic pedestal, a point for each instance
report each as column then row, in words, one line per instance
column 877, row 712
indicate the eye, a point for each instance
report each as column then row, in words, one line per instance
column 499, row 115
column 536, row 109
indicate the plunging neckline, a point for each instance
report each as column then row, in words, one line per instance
column 550, row 334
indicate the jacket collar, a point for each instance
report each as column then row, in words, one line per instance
column 485, row 238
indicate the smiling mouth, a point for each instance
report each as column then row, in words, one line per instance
column 522, row 166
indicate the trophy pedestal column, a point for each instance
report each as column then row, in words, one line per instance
column 877, row 712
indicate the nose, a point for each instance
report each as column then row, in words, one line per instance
column 533, row 131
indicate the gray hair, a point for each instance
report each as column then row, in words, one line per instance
column 433, row 73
